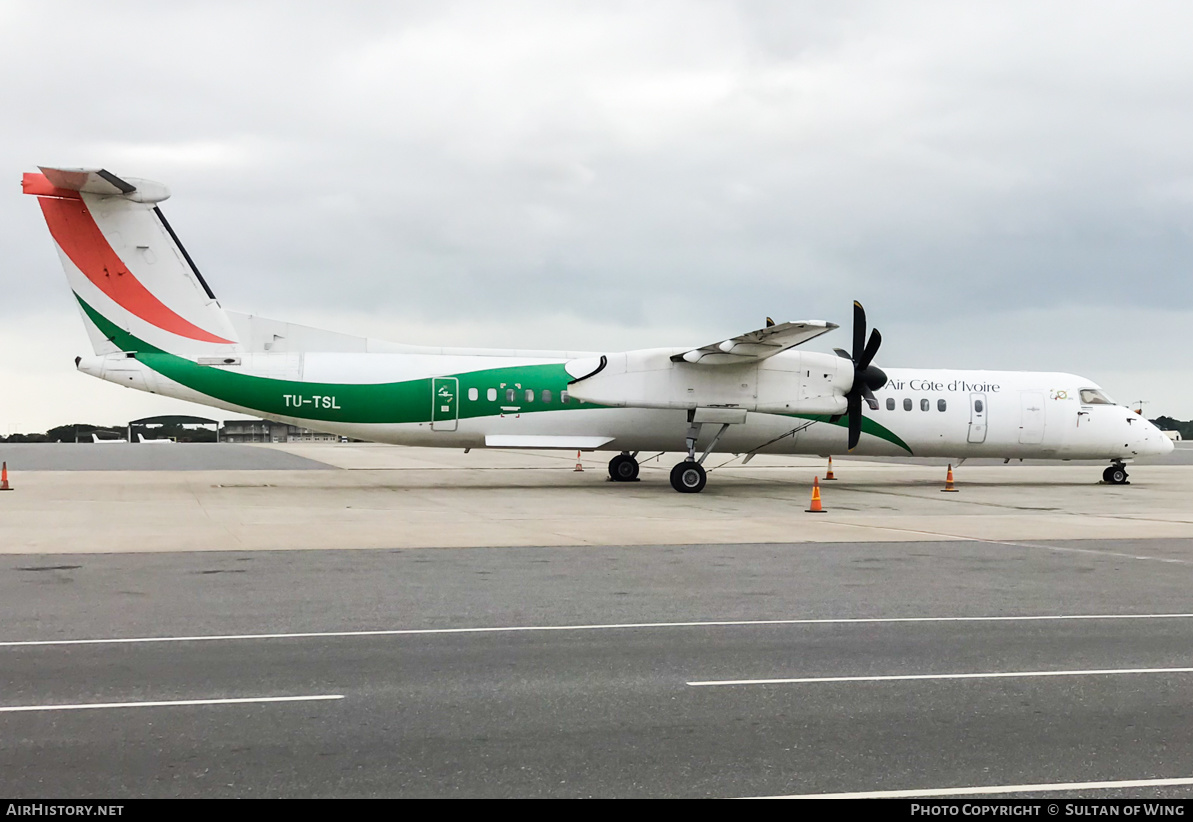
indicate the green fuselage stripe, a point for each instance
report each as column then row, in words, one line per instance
column 409, row 401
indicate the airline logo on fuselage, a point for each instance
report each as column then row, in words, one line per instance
column 955, row 385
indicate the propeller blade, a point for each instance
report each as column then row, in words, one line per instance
column 841, row 352
column 769, row 322
column 855, row 418
column 870, row 350
column 859, row 330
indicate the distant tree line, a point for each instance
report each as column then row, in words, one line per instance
column 81, row 432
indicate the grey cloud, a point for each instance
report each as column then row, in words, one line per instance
column 666, row 163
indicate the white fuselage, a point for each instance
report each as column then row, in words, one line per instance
column 922, row 412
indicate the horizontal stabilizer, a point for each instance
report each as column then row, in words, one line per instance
column 70, row 182
column 91, row 180
column 756, row 345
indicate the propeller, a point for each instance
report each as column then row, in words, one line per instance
column 866, row 377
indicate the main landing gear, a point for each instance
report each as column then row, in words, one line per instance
column 623, row 467
column 1116, row 474
column 689, row 477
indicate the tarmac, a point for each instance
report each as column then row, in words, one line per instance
column 394, row 497
column 407, row 622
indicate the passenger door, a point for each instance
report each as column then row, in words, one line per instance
column 977, row 418
column 1031, row 421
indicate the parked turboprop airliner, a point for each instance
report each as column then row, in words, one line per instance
column 156, row 325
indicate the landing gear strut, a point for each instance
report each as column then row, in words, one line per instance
column 623, row 468
column 689, row 477
column 1116, row 474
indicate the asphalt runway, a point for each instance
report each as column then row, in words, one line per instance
column 601, row 671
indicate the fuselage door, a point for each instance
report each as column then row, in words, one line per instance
column 1031, row 423
column 977, row 418
column 445, row 403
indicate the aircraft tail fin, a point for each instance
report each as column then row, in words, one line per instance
column 126, row 266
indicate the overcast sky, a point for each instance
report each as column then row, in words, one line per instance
column 1003, row 185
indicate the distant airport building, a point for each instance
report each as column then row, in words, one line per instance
column 176, row 427
column 266, row 431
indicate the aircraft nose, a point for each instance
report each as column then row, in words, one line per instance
column 1156, row 441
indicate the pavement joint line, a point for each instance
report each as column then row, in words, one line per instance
column 1060, row 548
column 1072, row 550
column 990, row 789
column 173, row 703
column 924, row 677
column 600, row 627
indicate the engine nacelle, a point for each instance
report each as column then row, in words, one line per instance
column 787, row 383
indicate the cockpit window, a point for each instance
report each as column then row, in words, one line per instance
column 1092, row 396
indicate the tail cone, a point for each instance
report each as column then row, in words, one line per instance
column 816, row 507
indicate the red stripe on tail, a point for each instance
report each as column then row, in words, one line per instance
column 75, row 231
column 39, row 185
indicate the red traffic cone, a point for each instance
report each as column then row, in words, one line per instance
column 816, row 508
column 948, row 481
column 829, row 475
column 4, row 486
column 578, row 467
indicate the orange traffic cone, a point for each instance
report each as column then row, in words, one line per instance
column 948, row 482
column 815, row 509
column 4, row 486
column 578, row 467
column 829, row 475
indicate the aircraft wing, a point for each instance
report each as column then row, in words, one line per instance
column 756, row 345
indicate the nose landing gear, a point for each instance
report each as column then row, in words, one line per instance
column 1116, row 474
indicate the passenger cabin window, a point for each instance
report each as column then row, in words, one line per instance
column 473, row 394
column 530, row 395
column 546, row 395
column 941, row 405
column 1092, row 396
column 563, row 397
column 509, row 395
column 979, row 406
column 924, row 404
column 907, row 404
column 890, row 403
column 491, row 395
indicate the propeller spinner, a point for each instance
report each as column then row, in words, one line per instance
column 866, row 377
